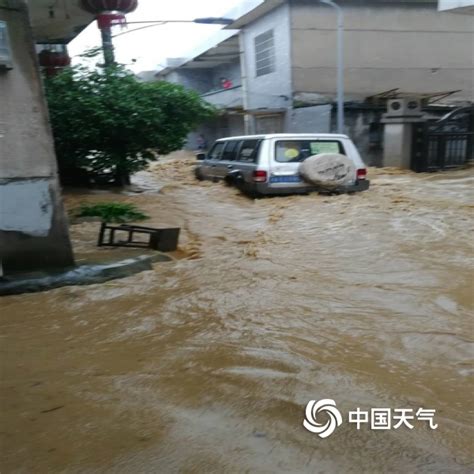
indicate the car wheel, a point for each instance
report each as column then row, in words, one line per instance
column 229, row 180
column 198, row 175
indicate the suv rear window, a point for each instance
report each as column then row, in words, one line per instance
column 291, row 151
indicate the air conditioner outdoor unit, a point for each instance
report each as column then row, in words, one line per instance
column 403, row 107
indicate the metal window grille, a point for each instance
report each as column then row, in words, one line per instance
column 264, row 53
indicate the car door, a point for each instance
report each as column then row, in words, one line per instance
column 209, row 165
column 246, row 161
column 228, row 157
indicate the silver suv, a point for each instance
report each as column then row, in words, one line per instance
column 269, row 164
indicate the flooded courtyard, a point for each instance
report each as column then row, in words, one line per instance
column 206, row 363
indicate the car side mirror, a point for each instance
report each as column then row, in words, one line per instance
column 200, row 156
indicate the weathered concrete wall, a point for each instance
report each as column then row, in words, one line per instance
column 33, row 230
column 314, row 119
column 32, row 196
column 412, row 47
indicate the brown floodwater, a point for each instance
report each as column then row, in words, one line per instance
column 206, row 363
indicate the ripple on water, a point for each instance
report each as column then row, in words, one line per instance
column 206, row 363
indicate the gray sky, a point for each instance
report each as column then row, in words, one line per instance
column 151, row 46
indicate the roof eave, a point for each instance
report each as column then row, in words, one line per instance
column 261, row 10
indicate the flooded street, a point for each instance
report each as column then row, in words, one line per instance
column 206, row 363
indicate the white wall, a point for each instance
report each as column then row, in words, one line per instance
column 267, row 91
column 411, row 47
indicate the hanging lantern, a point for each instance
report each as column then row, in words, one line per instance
column 52, row 62
column 109, row 12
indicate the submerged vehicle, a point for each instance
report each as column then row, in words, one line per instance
column 275, row 163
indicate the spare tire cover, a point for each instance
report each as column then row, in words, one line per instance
column 328, row 170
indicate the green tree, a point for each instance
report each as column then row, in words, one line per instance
column 107, row 120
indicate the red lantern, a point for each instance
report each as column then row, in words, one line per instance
column 109, row 12
column 53, row 61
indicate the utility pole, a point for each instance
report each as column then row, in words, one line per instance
column 340, row 64
column 107, row 46
column 108, row 13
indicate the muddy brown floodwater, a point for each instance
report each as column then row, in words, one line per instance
column 206, row 363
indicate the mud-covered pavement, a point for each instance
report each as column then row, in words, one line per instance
column 205, row 364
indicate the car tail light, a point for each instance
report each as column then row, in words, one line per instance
column 361, row 173
column 259, row 176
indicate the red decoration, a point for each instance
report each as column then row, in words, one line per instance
column 53, row 61
column 100, row 6
column 226, row 83
column 107, row 20
column 109, row 12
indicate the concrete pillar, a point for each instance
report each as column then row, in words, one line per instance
column 398, row 141
column 33, row 226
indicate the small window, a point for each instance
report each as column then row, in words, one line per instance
column 249, row 151
column 216, row 151
column 230, row 151
column 264, row 53
column 298, row 150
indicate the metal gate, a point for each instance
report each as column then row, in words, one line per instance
column 444, row 144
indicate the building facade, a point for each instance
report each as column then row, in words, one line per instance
column 33, row 227
column 393, row 48
column 408, row 46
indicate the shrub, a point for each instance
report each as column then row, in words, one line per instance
column 111, row 212
column 106, row 121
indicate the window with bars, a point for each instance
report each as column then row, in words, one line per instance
column 264, row 53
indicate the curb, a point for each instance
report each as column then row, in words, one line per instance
column 82, row 275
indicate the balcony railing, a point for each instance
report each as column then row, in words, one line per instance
column 225, row 98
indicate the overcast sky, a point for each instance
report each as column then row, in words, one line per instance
column 151, row 46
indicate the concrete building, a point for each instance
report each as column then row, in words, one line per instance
column 33, row 227
column 393, row 48
column 213, row 70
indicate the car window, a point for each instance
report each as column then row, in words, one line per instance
column 289, row 151
column 230, row 150
column 216, row 151
column 249, row 151
column 324, row 147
